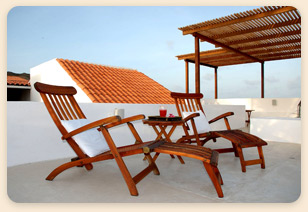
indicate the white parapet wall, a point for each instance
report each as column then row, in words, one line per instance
column 32, row 136
column 282, row 129
column 272, row 119
column 263, row 107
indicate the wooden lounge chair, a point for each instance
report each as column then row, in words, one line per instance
column 190, row 103
column 63, row 108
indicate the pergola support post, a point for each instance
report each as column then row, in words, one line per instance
column 216, row 84
column 262, row 79
column 187, row 76
column 197, row 64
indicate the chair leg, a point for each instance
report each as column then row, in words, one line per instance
column 181, row 159
column 125, row 173
column 217, row 172
column 88, row 166
column 261, row 157
column 58, row 170
column 241, row 156
column 211, row 172
column 127, row 176
column 152, row 163
column 155, row 156
column 235, row 149
column 66, row 166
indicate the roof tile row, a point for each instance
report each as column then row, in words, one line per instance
column 105, row 84
column 15, row 80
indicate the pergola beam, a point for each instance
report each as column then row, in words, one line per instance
column 191, row 56
column 225, row 46
column 218, row 52
column 204, row 64
column 222, row 55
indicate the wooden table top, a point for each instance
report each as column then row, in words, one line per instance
column 162, row 122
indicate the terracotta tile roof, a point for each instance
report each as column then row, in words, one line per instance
column 107, row 84
column 15, row 80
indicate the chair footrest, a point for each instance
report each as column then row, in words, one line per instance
column 224, row 150
column 196, row 152
column 253, row 162
column 240, row 138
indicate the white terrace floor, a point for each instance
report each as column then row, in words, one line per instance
column 280, row 182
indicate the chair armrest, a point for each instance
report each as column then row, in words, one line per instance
column 191, row 116
column 123, row 121
column 221, row 116
column 91, row 125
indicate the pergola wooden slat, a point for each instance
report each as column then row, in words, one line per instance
column 259, row 35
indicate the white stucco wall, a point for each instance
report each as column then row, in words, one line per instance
column 32, row 135
column 273, row 119
column 280, row 129
column 51, row 72
column 267, row 107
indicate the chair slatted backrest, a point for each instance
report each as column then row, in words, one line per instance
column 60, row 103
column 187, row 102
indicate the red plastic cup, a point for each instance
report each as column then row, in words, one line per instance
column 163, row 112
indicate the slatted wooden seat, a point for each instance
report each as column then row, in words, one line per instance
column 190, row 102
column 61, row 105
column 204, row 154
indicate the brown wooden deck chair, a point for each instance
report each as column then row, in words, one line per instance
column 190, row 102
column 63, row 108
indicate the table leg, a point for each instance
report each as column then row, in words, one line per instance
column 248, row 117
column 159, row 134
column 167, row 135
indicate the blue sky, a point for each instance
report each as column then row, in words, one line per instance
column 142, row 38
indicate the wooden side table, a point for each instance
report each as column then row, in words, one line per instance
column 160, row 128
column 248, row 115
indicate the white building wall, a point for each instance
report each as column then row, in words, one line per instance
column 32, row 136
column 51, row 72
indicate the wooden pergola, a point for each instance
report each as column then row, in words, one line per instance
column 259, row 35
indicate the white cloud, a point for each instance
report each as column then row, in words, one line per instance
column 272, row 79
column 170, row 45
column 294, row 83
column 177, row 88
column 252, row 82
column 208, row 77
